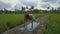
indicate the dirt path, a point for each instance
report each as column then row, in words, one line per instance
column 37, row 30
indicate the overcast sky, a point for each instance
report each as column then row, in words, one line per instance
column 39, row 4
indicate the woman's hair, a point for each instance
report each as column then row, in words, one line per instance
column 27, row 16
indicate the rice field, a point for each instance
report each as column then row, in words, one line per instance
column 53, row 24
column 8, row 21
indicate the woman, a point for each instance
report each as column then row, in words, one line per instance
column 28, row 19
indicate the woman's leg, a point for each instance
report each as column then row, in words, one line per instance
column 25, row 26
column 32, row 23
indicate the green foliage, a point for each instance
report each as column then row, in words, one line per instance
column 53, row 24
column 10, row 20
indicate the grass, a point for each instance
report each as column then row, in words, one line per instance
column 8, row 21
column 53, row 24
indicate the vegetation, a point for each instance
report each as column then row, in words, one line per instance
column 8, row 21
column 53, row 24
column 31, row 10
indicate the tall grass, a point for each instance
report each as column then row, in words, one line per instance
column 8, row 21
column 53, row 24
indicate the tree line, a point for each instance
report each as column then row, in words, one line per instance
column 31, row 10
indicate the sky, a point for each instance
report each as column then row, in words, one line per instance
column 39, row 4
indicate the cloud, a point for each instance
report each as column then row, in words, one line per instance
column 9, row 4
column 4, row 5
column 58, row 2
column 18, row 6
column 12, row 4
column 45, row 5
column 28, row 3
column 51, row 1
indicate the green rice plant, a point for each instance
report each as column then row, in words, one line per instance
column 53, row 24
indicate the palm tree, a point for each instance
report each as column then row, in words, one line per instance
column 31, row 9
column 58, row 8
column 27, row 7
column 48, row 7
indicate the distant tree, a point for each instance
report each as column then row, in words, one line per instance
column 10, row 12
column 36, row 11
column 58, row 8
column 48, row 7
column 32, row 8
column 17, row 11
column 27, row 7
column 5, row 10
column 23, row 8
column 1, row 11
column 52, row 10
